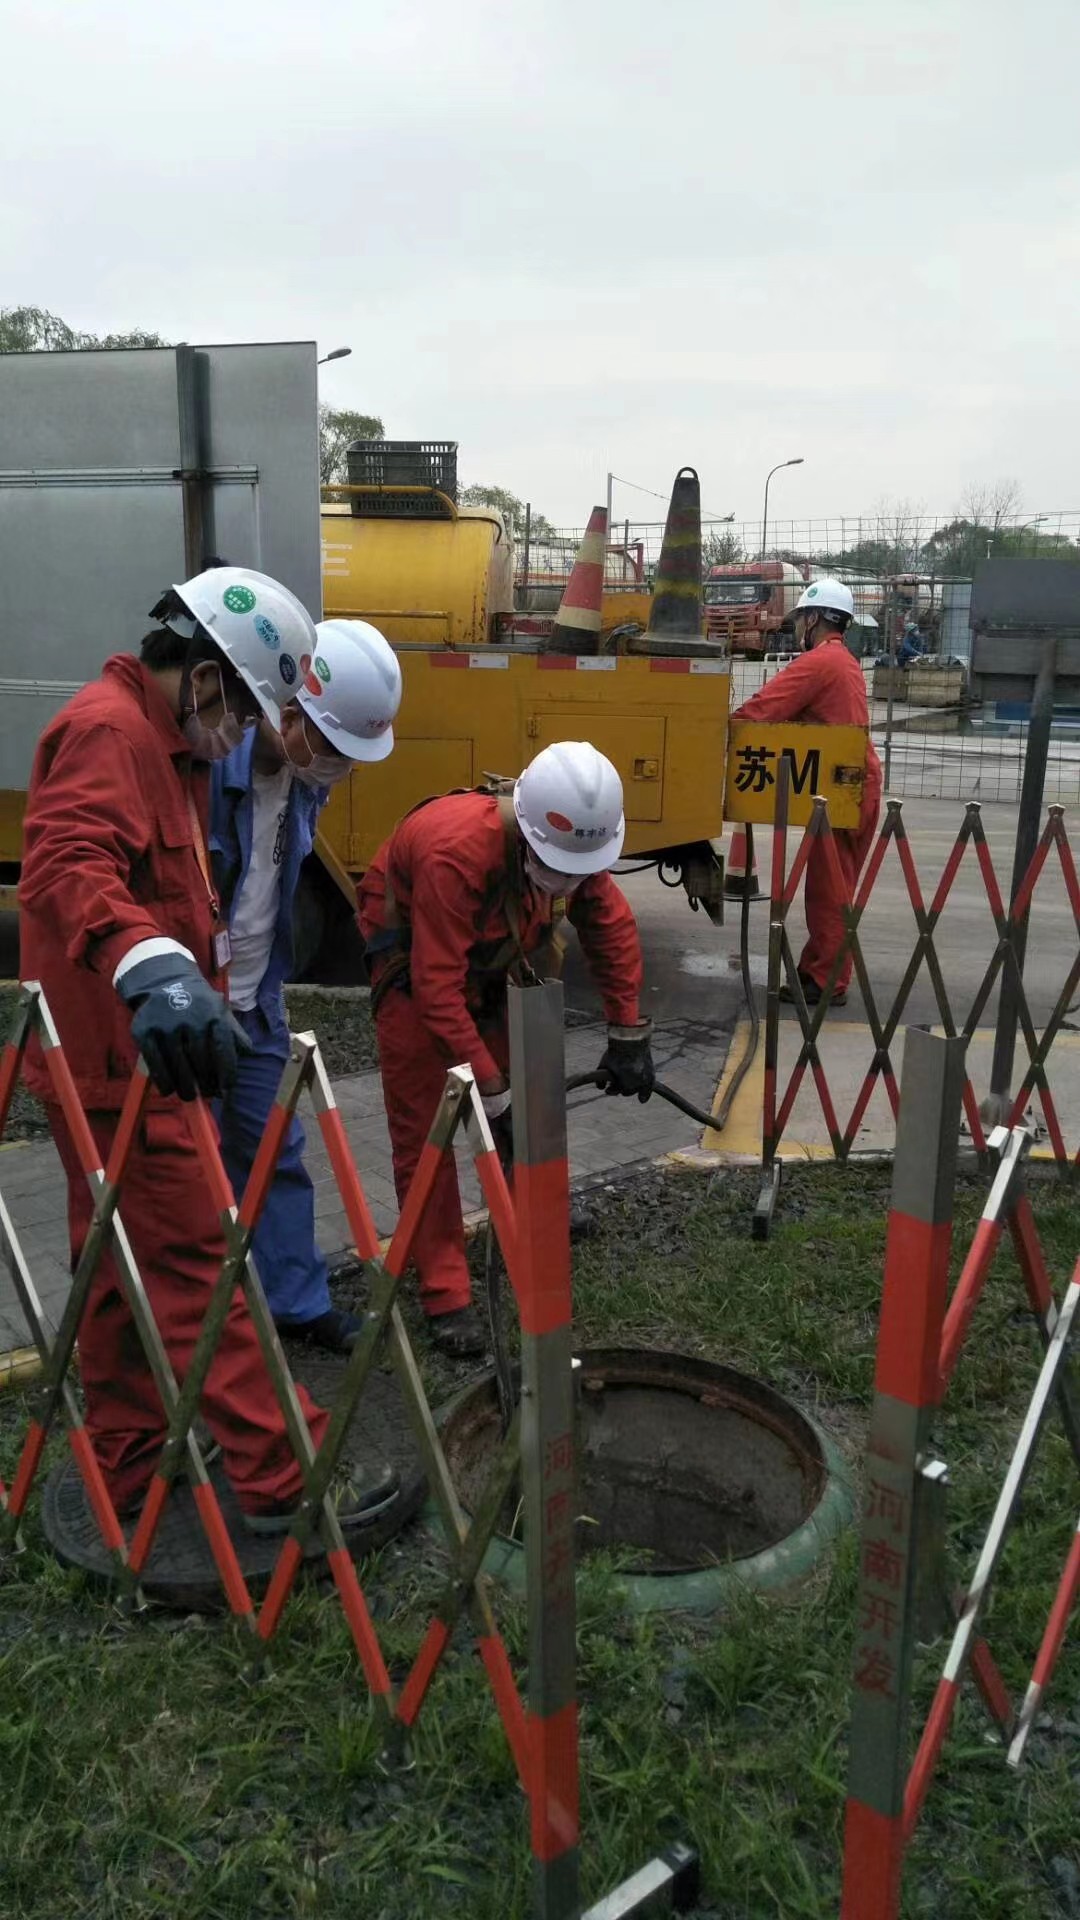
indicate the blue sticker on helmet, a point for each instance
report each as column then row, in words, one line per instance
column 287, row 668
column 267, row 632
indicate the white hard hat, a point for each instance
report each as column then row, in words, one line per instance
column 828, row 596
column 569, row 806
column 352, row 689
column 263, row 630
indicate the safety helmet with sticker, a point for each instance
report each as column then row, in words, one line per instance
column 569, row 806
column 239, row 608
column 826, row 596
column 351, row 688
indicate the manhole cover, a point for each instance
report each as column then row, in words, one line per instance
column 181, row 1571
column 684, row 1467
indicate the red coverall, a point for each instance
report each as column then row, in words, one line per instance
column 826, row 685
column 109, row 860
column 445, row 862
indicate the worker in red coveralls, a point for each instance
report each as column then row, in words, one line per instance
column 825, row 684
column 467, row 894
column 120, row 924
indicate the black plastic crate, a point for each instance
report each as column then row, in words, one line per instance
column 390, row 504
column 404, row 463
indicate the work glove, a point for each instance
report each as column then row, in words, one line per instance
column 626, row 1067
column 501, row 1121
column 182, row 1027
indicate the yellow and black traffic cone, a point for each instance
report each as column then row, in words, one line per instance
column 738, row 882
column 577, row 623
column 676, row 612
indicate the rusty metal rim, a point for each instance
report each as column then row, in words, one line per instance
column 705, row 1589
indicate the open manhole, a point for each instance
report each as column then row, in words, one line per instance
column 696, row 1476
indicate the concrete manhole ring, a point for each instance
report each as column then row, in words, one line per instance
column 703, row 1479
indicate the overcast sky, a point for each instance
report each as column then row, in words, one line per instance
column 586, row 236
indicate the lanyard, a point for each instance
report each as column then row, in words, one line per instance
column 199, row 845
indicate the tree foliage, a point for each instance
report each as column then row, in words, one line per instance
column 722, row 549
column 35, row 330
column 892, row 545
column 337, row 426
column 508, row 504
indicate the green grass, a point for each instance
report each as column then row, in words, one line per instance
column 143, row 1772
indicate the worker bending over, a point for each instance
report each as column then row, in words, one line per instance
column 121, row 924
column 466, row 895
column 826, row 684
column 265, row 803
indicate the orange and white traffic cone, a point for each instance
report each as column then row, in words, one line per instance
column 738, row 883
column 577, row 623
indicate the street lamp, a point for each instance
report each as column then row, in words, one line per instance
column 339, row 353
column 765, row 513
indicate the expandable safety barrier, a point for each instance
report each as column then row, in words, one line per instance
column 1005, row 961
column 904, row 1592
column 532, row 1225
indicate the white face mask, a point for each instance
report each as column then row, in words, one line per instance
column 212, row 743
column 319, row 769
column 546, row 880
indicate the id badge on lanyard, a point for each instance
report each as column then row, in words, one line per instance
column 222, row 946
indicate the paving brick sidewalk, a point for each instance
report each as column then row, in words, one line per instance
column 605, row 1134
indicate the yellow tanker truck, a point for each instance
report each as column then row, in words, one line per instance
column 485, row 688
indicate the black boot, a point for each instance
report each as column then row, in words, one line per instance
column 811, row 993
column 461, row 1335
column 335, row 1330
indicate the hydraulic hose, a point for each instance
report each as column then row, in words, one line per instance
column 599, row 1080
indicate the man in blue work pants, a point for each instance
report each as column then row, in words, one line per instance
column 266, row 797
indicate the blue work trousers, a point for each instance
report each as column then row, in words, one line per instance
column 290, row 1265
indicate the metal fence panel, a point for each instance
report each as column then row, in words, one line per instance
column 92, row 522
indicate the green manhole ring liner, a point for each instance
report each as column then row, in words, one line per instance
column 718, row 1480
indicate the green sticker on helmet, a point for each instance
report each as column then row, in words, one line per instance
column 322, row 669
column 239, row 599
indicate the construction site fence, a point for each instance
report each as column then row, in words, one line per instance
column 936, row 743
column 908, row 1599
column 530, row 1218
column 962, row 991
column 878, row 543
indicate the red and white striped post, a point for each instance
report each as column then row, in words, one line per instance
column 541, row 1276
column 906, row 1391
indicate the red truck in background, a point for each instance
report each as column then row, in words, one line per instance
column 750, row 605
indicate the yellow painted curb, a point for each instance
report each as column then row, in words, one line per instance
column 740, row 1142
column 18, row 1365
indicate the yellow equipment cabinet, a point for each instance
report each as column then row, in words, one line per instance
column 489, row 710
column 433, row 582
